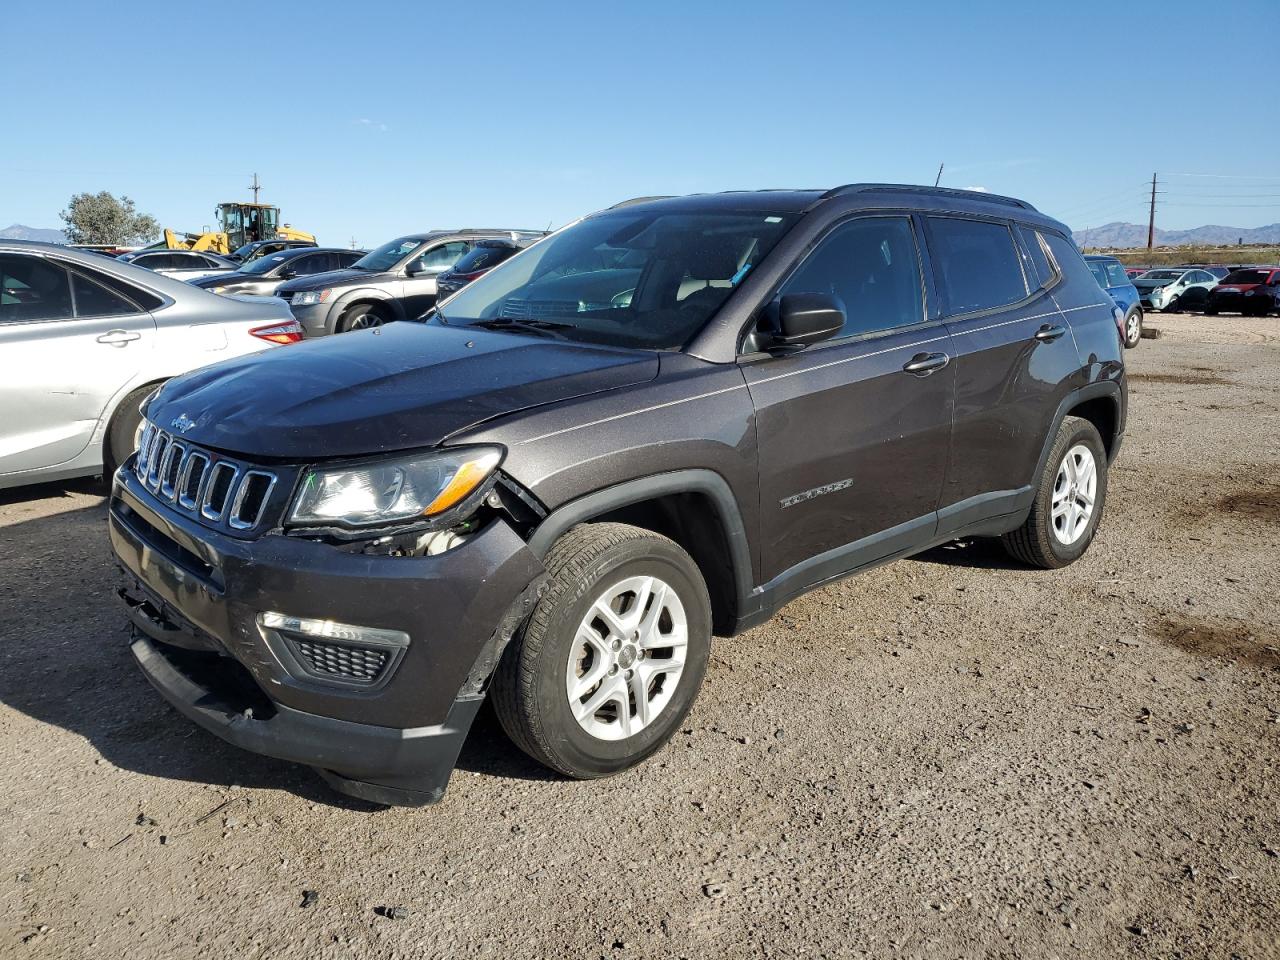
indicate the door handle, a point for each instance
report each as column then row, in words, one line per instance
column 119, row 338
column 923, row 364
column 1050, row 332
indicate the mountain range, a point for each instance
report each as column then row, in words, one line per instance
column 1123, row 235
column 19, row 232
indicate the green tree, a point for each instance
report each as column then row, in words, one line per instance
column 101, row 218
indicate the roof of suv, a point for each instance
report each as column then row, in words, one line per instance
column 853, row 194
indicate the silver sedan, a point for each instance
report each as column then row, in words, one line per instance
column 84, row 339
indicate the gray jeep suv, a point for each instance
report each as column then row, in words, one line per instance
column 662, row 422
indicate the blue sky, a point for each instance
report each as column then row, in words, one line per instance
column 367, row 120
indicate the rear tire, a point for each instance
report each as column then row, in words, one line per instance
column 1069, row 500
column 122, row 433
column 567, row 688
column 361, row 317
column 1132, row 329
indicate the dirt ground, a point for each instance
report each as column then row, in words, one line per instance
column 951, row 756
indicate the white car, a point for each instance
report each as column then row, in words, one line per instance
column 1172, row 289
column 84, row 339
column 180, row 264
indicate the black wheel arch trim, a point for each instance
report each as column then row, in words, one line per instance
column 362, row 295
column 706, row 482
column 1092, row 391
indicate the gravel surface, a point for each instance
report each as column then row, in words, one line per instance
column 950, row 756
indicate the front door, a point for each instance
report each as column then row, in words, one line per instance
column 69, row 345
column 420, row 276
column 853, row 433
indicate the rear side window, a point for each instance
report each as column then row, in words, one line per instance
column 93, row 300
column 978, row 263
column 872, row 267
column 1099, row 271
column 1116, row 275
column 32, row 288
column 1039, row 270
column 347, row 258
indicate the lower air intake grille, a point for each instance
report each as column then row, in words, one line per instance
column 357, row 664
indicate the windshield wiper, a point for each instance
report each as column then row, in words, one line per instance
column 534, row 326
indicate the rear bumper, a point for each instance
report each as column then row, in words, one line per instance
column 197, row 598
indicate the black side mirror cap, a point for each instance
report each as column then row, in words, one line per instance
column 804, row 319
column 288, row 274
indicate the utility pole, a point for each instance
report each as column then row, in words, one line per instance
column 938, row 179
column 1151, row 220
column 255, row 187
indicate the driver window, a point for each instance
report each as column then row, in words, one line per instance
column 871, row 266
column 441, row 258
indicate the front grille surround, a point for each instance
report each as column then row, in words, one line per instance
column 217, row 490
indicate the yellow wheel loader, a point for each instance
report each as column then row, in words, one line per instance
column 238, row 224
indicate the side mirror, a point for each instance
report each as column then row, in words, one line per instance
column 806, row 318
column 417, row 269
column 288, row 274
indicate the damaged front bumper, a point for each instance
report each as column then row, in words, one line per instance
column 368, row 668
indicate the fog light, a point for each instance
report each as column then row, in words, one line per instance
column 332, row 652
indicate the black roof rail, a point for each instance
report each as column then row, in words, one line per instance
column 849, row 188
column 635, row 200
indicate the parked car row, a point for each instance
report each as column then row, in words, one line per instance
column 1212, row 289
column 85, row 338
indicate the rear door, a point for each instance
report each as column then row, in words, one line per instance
column 1015, row 355
column 853, row 444
column 69, row 345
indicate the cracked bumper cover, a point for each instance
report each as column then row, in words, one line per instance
column 195, row 596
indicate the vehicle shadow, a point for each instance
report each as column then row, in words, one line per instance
column 93, row 486
column 980, row 553
column 66, row 662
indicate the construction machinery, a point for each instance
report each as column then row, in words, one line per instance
column 238, row 223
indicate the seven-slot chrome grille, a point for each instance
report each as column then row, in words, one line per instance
column 206, row 485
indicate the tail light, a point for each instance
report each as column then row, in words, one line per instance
column 468, row 277
column 287, row 332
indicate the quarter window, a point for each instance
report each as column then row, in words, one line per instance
column 871, row 266
column 1038, row 269
column 31, row 288
column 978, row 263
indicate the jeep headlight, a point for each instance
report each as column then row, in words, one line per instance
column 308, row 297
column 378, row 494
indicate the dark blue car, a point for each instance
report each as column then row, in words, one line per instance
column 1111, row 277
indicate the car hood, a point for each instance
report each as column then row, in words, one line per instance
column 334, row 278
column 397, row 387
column 1151, row 284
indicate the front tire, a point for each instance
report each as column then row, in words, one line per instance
column 610, row 661
column 123, row 431
column 1069, row 500
column 361, row 317
column 1132, row 329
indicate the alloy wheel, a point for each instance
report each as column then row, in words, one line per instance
column 1074, row 490
column 627, row 658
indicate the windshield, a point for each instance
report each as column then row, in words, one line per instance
column 244, row 251
column 1162, row 275
column 630, row 279
column 388, row 255
column 263, row 264
column 1247, row 276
